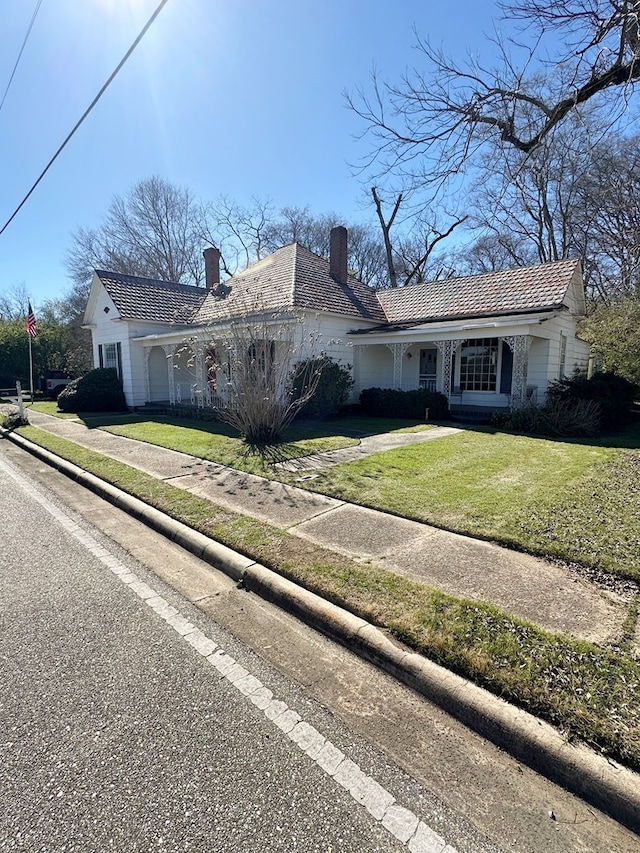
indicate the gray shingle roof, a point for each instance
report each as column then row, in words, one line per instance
column 524, row 289
column 291, row 277
column 139, row 298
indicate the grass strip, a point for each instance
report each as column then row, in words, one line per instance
column 589, row 692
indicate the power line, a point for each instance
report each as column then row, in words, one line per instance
column 15, row 67
column 85, row 114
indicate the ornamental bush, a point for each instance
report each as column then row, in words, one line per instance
column 613, row 394
column 411, row 405
column 557, row 418
column 98, row 391
column 333, row 382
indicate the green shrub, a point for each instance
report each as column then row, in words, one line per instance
column 99, row 391
column 613, row 394
column 557, row 418
column 391, row 403
column 332, row 391
column 573, row 417
column 523, row 419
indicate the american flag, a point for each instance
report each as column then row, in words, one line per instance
column 31, row 322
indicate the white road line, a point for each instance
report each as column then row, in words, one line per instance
column 402, row 823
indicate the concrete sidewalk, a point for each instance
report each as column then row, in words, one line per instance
column 525, row 586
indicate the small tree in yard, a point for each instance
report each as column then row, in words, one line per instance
column 334, row 381
column 258, row 357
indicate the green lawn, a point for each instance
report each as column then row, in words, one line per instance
column 47, row 407
column 574, row 501
column 220, row 443
column 571, row 500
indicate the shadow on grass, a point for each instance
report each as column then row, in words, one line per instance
column 353, row 426
column 627, row 437
column 271, row 454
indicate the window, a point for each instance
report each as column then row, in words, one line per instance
column 563, row 355
column 110, row 355
column 479, row 364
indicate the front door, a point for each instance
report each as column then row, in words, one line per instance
column 428, row 367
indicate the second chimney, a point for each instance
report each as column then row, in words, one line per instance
column 211, row 267
column 338, row 253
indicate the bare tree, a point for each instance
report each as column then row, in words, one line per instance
column 527, row 206
column 432, row 124
column 492, row 252
column 154, row 231
column 411, row 256
column 572, row 197
column 299, row 225
column 606, row 219
column 386, row 225
column 14, row 302
column 239, row 231
column 365, row 251
column 253, row 362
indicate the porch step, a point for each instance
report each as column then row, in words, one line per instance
column 151, row 409
column 471, row 415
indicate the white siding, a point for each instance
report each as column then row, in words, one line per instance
column 537, row 370
column 376, row 368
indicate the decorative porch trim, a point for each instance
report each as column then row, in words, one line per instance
column 446, row 350
column 397, row 350
column 169, row 350
column 200, row 385
column 357, row 379
column 519, row 345
column 147, row 352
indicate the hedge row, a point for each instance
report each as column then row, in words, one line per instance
column 417, row 405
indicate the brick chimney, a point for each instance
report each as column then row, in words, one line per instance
column 211, row 267
column 338, row 253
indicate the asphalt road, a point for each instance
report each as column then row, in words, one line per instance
column 119, row 734
column 123, row 728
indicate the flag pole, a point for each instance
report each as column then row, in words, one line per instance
column 30, row 369
column 31, row 333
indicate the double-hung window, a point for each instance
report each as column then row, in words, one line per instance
column 110, row 355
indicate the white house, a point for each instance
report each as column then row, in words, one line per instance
column 490, row 340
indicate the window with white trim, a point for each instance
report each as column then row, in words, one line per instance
column 563, row 355
column 111, row 356
column 479, row 364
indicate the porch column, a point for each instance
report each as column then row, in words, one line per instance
column 445, row 348
column 357, row 384
column 169, row 350
column 398, row 351
column 200, row 383
column 147, row 353
column 519, row 345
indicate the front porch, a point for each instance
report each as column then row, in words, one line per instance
column 474, row 374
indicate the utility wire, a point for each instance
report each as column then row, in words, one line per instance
column 85, row 114
column 15, row 67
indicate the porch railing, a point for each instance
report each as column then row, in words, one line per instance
column 188, row 394
column 427, row 383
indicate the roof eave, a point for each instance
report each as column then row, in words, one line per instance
column 461, row 318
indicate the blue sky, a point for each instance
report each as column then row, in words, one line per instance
column 243, row 98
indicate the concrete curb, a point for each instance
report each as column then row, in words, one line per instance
column 608, row 786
